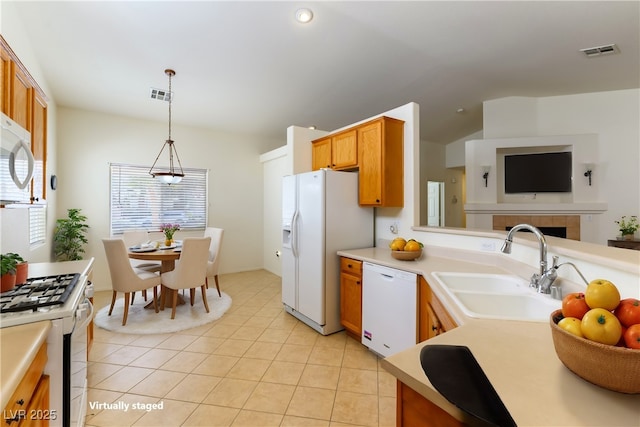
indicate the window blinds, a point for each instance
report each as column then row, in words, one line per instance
column 140, row 202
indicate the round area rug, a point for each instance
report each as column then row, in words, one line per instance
column 142, row 320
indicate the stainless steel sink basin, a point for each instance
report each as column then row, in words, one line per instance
column 496, row 296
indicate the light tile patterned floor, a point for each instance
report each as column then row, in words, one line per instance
column 257, row 366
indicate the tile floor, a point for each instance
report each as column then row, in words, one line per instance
column 257, row 366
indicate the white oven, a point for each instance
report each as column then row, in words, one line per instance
column 66, row 341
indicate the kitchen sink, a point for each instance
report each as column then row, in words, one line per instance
column 496, row 296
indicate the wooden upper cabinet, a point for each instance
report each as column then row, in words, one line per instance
column 5, row 72
column 321, row 153
column 39, row 148
column 344, row 150
column 339, row 152
column 20, row 99
column 380, row 160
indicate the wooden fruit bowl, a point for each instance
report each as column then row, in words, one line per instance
column 610, row 367
column 406, row 255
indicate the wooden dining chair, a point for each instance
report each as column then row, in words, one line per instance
column 126, row 279
column 214, row 254
column 190, row 273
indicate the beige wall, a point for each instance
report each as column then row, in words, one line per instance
column 89, row 142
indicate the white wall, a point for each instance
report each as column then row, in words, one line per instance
column 89, row 142
column 613, row 117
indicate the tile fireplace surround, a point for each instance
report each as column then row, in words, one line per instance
column 570, row 222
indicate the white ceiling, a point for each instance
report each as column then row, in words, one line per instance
column 249, row 67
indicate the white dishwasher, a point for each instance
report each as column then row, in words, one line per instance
column 389, row 309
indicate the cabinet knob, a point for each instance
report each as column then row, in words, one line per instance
column 358, row 282
column 434, row 328
column 377, row 200
column 20, row 402
column 349, row 265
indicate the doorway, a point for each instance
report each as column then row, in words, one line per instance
column 435, row 204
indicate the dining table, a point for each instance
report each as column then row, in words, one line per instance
column 167, row 258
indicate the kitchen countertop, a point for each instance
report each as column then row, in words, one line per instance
column 19, row 346
column 41, row 269
column 518, row 357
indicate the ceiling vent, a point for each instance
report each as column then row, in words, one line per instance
column 600, row 50
column 159, row 94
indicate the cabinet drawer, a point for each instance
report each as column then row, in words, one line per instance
column 352, row 266
column 21, row 398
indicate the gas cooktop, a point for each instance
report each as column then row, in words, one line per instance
column 39, row 293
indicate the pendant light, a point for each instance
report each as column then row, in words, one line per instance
column 172, row 176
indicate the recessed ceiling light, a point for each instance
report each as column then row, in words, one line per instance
column 304, row 15
column 460, row 110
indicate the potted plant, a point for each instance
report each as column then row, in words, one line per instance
column 628, row 226
column 69, row 236
column 22, row 268
column 7, row 272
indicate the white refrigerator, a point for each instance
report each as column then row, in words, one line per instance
column 320, row 216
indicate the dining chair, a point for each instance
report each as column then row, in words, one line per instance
column 214, row 254
column 124, row 278
column 190, row 272
column 137, row 237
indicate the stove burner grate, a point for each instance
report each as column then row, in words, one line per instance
column 38, row 293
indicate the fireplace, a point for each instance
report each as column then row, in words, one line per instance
column 566, row 226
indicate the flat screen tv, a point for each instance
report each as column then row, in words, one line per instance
column 537, row 173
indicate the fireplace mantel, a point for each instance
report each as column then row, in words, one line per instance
column 536, row 208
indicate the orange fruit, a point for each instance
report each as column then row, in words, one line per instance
column 412, row 245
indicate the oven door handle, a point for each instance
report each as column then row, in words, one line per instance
column 81, row 308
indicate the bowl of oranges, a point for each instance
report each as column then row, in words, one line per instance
column 405, row 250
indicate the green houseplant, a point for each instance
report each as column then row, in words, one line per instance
column 628, row 226
column 7, row 272
column 69, row 236
column 22, row 267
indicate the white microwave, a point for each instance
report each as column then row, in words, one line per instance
column 16, row 163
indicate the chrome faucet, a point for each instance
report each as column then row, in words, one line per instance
column 540, row 281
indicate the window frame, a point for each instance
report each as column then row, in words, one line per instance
column 129, row 182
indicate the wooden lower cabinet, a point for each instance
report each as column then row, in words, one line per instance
column 413, row 410
column 29, row 404
column 433, row 318
column 351, row 296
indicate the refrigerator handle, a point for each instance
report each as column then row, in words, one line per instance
column 294, row 234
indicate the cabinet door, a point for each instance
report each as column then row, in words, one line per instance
column 5, row 73
column 20, row 98
column 370, row 163
column 344, row 150
column 351, row 303
column 321, row 153
column 39, row 148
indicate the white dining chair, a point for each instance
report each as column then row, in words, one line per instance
column 137, row 237
column 216, row 235
column 190, row 273
column 126, row 279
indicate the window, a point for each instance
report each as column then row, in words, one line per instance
column 140, row 202
column 37, row 224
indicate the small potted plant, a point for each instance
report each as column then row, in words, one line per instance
column 22, row 268
column 169, row 230
column 628, row 226
column 7, row 272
